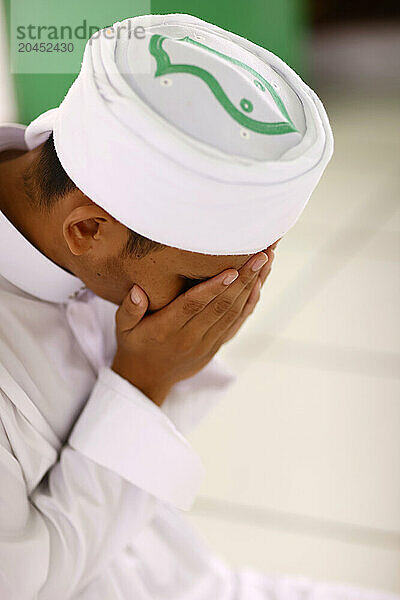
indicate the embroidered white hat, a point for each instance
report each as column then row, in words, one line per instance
column 190, row 135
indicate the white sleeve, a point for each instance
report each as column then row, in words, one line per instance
column 192, row 399
column 123, row 456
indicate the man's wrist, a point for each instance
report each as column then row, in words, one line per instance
column 154, row 392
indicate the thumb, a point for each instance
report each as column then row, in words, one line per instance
column 132, row 309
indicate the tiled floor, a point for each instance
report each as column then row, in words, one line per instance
column 303, row 456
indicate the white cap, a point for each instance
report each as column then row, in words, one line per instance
column 190, row 135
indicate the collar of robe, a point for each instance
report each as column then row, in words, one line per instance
column 21, row 263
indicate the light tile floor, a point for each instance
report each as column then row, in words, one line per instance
column 303, row 455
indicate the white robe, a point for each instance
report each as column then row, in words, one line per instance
column 95, row 514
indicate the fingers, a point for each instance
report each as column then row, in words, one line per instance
column 224, row 304
column 226, row 321
column 203, row 305
column 251, row 304
column 132, row 310
column 255, row 295
column 177, row 314
column 266, row 270
column 252, row 300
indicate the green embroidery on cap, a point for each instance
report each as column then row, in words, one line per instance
column 164, row 66
column 259, row 85
column 246, row 105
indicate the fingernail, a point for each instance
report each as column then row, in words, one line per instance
column 260, row 262
column 135, row 295
column 230, row 278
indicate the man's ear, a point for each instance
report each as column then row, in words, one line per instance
column 84, row 226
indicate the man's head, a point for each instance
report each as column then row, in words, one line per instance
column 107, row 256
column 214, row 146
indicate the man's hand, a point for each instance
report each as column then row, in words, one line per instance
column 156, row 351
column 255, row 295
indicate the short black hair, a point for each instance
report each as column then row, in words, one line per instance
column 46, row 182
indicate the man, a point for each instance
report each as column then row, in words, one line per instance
column 138, row 223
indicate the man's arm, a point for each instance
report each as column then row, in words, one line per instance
column 58, row 538
column 124, row 454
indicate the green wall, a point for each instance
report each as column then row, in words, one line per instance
column 279, row 25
